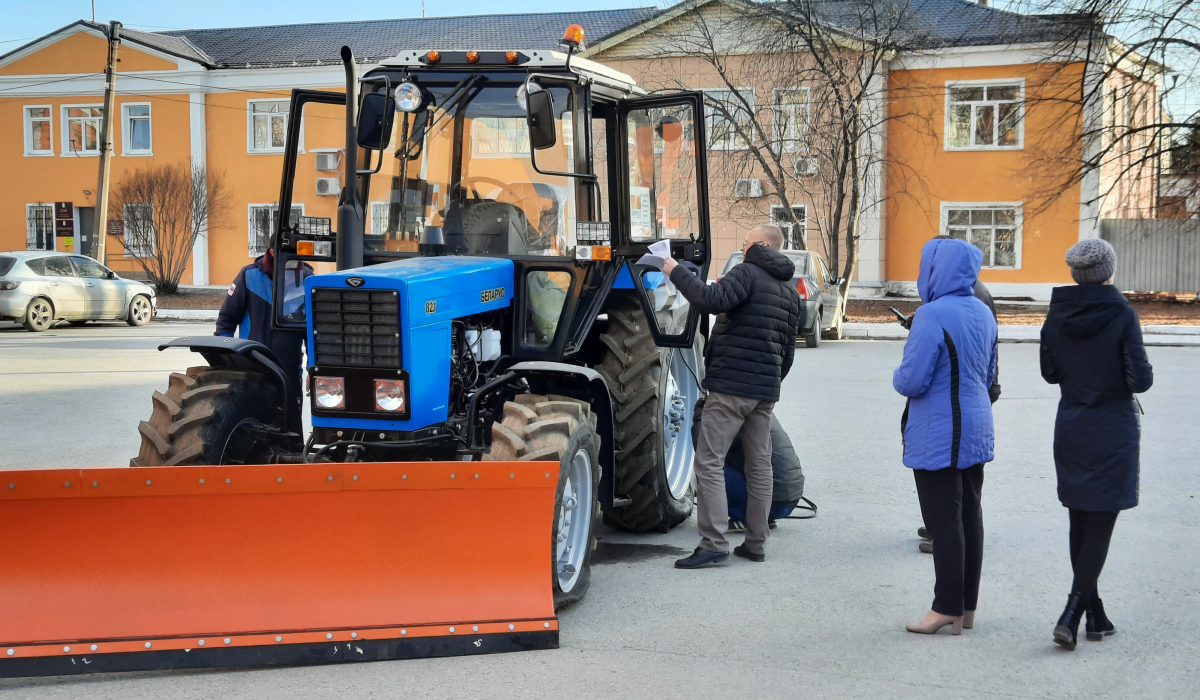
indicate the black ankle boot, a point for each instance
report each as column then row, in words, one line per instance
column 1098, row 624
column 1067, row 629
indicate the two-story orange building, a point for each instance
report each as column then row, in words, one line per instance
column 975, row 132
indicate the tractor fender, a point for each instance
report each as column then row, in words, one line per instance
column 582, row 383
column 244, row 355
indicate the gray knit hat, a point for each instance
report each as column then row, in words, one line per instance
column 1092, row 261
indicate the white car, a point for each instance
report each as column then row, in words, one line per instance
column 40, row 288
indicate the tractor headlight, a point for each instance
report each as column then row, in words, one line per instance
column 523, row 93
column 330, row 392
column 389, row 395
column 408, row 97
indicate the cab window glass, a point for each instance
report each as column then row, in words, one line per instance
column 294, row 273
column 669, row 306
column 661, row 152
column 58, row 267
column 89, row 268
column 545, row 296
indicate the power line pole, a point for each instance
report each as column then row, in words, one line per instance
column 106, row 140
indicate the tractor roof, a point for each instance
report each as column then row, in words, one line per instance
column 539, row 59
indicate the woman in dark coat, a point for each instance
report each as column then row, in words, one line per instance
column 1092, row 348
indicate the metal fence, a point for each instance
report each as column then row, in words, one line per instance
column 1155, row 255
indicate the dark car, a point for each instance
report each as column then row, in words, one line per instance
column 822, row 299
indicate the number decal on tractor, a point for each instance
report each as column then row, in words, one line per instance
column 491, row 295
column 431, row 306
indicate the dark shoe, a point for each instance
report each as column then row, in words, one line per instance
column 923, row 533
column 701, row 558
column 1066, row 632
column 736, row 526
column 741, row 551
column 771, row 524
column 1098, row 624
column 926, row 546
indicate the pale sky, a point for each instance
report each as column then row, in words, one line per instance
column 37, row 17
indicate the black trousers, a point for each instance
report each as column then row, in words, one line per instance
column 950, row 506
column 1091, row 532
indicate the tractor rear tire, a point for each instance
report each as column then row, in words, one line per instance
column 203, row 418
column 538, row 427
column 638, row 372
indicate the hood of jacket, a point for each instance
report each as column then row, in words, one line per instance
column 1084, row 310
column 949, row 267
column 775, row 263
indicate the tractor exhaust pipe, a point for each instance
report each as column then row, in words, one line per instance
column 350, row 213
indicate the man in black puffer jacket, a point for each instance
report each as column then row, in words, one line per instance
column 749, row 353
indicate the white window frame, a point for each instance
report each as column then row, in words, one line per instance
column 1019, row 83
column 711, row 116
column 27, row 120
column 66, row 131
column 274, row 207
column 126, row 148
column 518, row 122
column 797, row 143
column 1019, row 225
column 31, row 234
column 143, row 253
column 784, row 224
column 286, row 117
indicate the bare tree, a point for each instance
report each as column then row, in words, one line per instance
column 1129, row 68
column 165, row 208
column 800, row 104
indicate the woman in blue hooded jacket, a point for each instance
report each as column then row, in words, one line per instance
column 949, row 363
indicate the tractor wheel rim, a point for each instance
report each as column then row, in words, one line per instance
column 574, row 521
column 681, row 394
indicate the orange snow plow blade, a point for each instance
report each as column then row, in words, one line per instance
column 197, row 567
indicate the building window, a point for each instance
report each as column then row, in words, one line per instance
column 984, row 116
column 268, row 125
column 39, row 227
column 724, row 133
column 993, row 228
column 37, row 131
column 83, row 130
column 139, row 230
column 135, row 129
column 264, row 220
column 795, row 227
column 499, row 136
column 791, row 118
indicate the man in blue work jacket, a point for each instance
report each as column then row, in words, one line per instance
column 247, row 312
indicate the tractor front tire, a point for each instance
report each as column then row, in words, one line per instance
column 204, row 418
column 637, row 373
column 538, row 427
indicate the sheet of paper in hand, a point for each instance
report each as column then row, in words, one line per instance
column 659, row 251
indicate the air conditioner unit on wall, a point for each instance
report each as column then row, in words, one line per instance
column 807, row 167
column 747, row 188
column 328, row 161
column 329, row 186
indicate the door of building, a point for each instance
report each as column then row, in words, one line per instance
column 87, row 221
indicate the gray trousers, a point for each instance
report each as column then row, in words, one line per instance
column 724, row 418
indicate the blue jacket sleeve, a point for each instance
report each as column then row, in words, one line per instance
column 233, row 309
column 1139, row 375
column 915, row 373
column 717, row 298
column 1046, row 356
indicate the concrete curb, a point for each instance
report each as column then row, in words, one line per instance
column 186, row 315
column 1152, row 335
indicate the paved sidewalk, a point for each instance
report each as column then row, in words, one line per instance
column 1153, row 335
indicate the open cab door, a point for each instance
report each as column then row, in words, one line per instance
column 664, row 187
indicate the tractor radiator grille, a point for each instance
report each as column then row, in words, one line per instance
column 356, row 328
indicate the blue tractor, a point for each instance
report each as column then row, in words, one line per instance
column 483, row 298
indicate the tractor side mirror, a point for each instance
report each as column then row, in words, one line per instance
column 375, row 118
column 539, row 113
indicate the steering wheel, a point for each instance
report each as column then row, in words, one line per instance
column 469, row 183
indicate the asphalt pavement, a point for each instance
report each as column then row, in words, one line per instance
column 823, row 617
